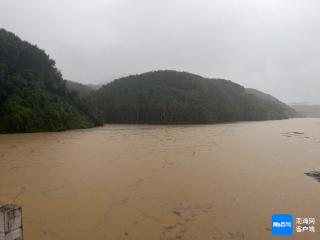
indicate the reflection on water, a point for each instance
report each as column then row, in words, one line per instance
column 144, row 182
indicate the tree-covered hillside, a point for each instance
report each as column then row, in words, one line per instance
column 180, row 97
column 33, row 95
column 289, row 111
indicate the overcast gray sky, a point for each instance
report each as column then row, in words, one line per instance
column 271, row 45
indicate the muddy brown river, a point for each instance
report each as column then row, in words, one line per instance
column 145, row 182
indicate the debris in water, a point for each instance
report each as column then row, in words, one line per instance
column 314, row 174
column 294, row 134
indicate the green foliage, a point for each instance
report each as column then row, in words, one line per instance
column 33, row 95
column 180, row 97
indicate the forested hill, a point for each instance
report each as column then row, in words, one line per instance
column 289, row 111
column 33, row 95
column 181, row 97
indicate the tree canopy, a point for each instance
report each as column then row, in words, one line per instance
column 33, row 94
column 181, row 97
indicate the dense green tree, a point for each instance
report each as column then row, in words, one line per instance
column 180, row 97
column 33, row 95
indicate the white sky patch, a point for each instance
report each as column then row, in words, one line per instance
column 272, row 45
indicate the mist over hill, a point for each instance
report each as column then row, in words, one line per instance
column 82, row 90
column 181, row 97
column 307, row 110
column 33, row 94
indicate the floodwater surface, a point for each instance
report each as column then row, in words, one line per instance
column 145, row 182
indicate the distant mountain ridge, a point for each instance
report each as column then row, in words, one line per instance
column 307, row 110
column 181, row 97
column 82, row 90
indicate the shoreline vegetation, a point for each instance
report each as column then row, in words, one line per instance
column 34, row 97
